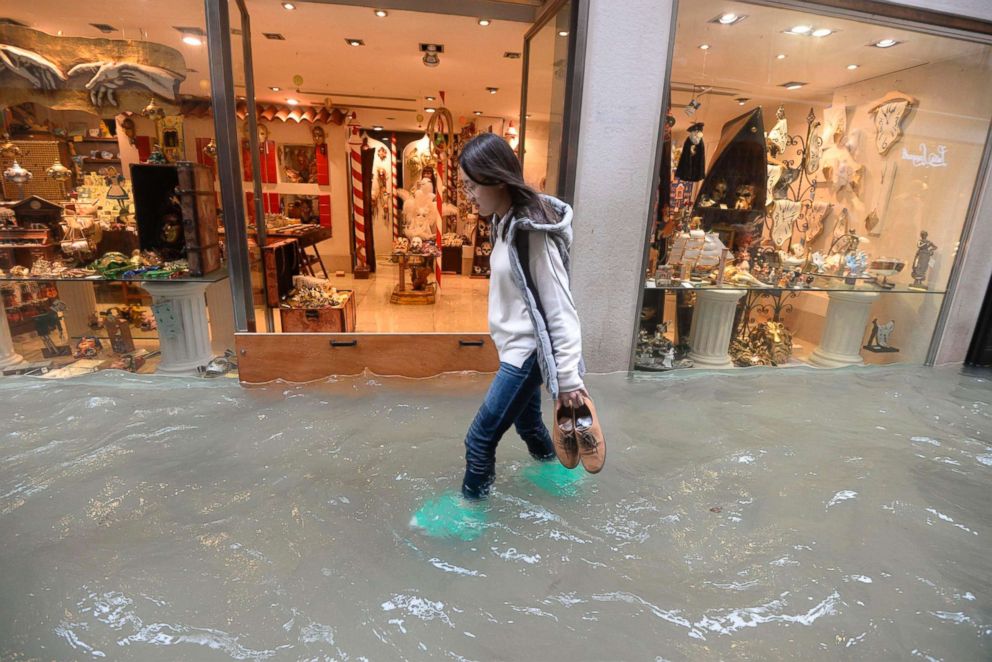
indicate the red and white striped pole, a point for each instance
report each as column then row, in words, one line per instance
column 357, row 202
column 437, row 228
column 396, row 196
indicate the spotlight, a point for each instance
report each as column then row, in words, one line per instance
column 492, row 90
column 780, row 56
column 355, row 42
column 704, row 47
column 885, row 43
column 792, row 85
column 275, row 88
column 801, row 29
column 822, row 32
column 852, row 67
column 477, row 112
column 192, row 41
column 292, row 102
column 430, row 98
column 381, row 13
column 484, row 22
column 430, row 110
column 289, row 6
column 377, row 128
column 563, row 33
column 728, row 19
column 741, row 100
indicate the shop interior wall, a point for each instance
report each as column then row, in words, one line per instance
column 536, row 156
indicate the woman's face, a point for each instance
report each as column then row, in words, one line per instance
column 490, row 199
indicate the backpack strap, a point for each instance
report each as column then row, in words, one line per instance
column 522, row 241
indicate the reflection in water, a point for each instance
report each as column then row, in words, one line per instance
column 794, row 514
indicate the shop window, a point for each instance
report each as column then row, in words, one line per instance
column 815, row 182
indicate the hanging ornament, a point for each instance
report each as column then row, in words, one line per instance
column 59, row 172
column 15, row 174
column 297, row 80
column 210, row 149
column 9, row 150
column 153, row 111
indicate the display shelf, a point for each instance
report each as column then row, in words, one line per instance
column 81, row 139
column 840, row 286
column 212, row 277
column 89, row 160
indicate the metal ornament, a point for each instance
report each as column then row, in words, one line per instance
column 153, row 111
column 59, row 172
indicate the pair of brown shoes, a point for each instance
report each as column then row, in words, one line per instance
column 577, row 436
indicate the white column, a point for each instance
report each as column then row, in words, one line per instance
column 8, row 357
column 189, row 347
column 80, row 301
column 220, row 306
column 844, row 329
column 712, row 327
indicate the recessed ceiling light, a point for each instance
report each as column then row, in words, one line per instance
column 430, row 110
column 527, row 115
column 355, row 42
column 728, row 18
column 704, row 47
column 275, row 88
column 390, row 118
column 563, row 33
column 192, row 41
column 381, row 13
column 741, row 100
column 484, row 22
column 476, row 112
column 275, row 36
column 885, row 43
column 792, row 85
column 288, row 5
column 780, row 56
column 292, row 102
column 377, row 128
column 512, row 55
column 852, row 67
column 104, row 27
column 822, row 32
column 430, row 98
column 800, row 29
column 492, row 90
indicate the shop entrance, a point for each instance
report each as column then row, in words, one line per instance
column 365, row 252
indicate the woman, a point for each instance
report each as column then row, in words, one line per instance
column 532, row 319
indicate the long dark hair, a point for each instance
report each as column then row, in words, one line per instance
column 488, row 160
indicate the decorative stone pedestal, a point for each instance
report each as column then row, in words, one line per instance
column 712, row 327
column 8, row 357
column 184, row 338
column 80, row 302
column 220, row 306
column 847, row 316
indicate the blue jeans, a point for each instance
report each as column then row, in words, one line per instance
column 514, row 398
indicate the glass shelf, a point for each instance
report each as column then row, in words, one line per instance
column 819, row 285
column 212, row 277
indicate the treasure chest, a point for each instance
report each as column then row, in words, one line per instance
column 329, row 319
column 281, row 261
column 176, row 211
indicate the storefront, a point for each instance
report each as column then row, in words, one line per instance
column 818, row 182
column 334, row 192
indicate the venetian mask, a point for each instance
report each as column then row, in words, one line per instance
column 318, row 135
column 128, row 125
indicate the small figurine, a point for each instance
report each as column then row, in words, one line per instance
column 921, row 263
column 878, row 340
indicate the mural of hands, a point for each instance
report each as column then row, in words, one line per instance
column 32, row 67
column 107, row 77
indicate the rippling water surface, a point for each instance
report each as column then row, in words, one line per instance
column 768, row 515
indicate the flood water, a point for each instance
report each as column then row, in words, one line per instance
column 766, row 515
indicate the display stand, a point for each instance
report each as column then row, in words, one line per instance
column 185, row 339
column 413, row 296
column 847, row 317
column 80, row 304
column 8, row 357
column 712, row 327
column 220, row 305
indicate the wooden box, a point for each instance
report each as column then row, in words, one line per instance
column 339, row 319
column 451, row 259
column 192, row 184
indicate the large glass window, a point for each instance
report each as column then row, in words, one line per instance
column 817, row 174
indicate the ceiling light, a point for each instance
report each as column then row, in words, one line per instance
column 476, row 112
column 741, row 100
column 292, row 102
column 563, row 33
column 430, row 98
column 527, row 115
column 792, row 85
column 355, row 42
column 511, row 55
column 492, row 90
column 704, row 47
column 852, row 67
column 275, row 36
column 885, row 43
column 377, row 128
column 104, row 27
column 780, row 56
column 801, row 29
column 275, row 88
column 822, row 32
column 484, row 22
column 728, row 18
column 288, row 6
column 431, row 52
column 192, row 41
column 430, row 110
column 381, row 13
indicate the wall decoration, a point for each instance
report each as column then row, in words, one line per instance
column 298, row 164
column 320, row 151
column 875, row 221
column 302, row 208
column 169, row 130
column 887, row 115
column 101, row 76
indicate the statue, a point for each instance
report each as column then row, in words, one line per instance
column 921, row 263
column 420, row 215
